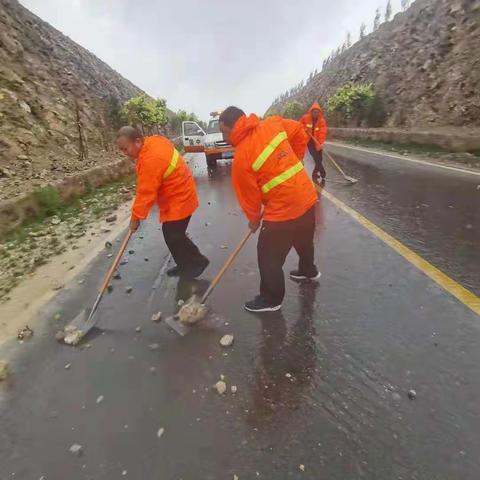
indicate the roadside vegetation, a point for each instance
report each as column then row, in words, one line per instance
column 55, row 228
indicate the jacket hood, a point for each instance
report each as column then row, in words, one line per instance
column 315, row 106
column 243, row 127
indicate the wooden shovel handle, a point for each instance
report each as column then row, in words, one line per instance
column 226, row 265
column 328, row 156
column 115, row 263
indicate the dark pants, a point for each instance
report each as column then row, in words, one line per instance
column 275, row 241
column 317, row 156
column 183, row 250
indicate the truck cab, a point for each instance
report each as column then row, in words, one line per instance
column 212, row 142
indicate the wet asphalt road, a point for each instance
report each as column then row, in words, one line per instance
column 322, row 385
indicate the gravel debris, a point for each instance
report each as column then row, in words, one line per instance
column 131, row 252
column 181, row 302
column 99, row 399
column 154, row 346
column 138, row 329
column 160, row 432
column 156, row 317
column 223, row 247
column 4, row 370
column 129, row 289
column 25, row 333
column 412, row 394
column 220, row 387
column 76, row 449
column 301, row 467
column 67, row 366
column 117, row 276
column 108, row 244
column 226, row 341
column 57, row 316
column 288, row 375
column 111, row 218
column 233, row 389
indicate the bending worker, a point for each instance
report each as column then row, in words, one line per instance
column 267, row 171
column 163, row 178
column 316, row 127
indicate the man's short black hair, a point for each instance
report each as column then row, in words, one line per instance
column 230, row 115
column 129, row 132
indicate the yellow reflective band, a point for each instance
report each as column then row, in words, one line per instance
column 309, row 125
column 173, row 164
column 283, row 177
column 268, row 150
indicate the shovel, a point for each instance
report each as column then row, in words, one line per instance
column 196, row 309
column 336, row 165
column 85, row 320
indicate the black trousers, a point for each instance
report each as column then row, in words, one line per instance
column 317, row 156
column 185, row 253
column 275, row 241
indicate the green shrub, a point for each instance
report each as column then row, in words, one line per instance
column 48, row 200
column 358, row 104
column 293, row 110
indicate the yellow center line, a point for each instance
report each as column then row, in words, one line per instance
column 468, row 298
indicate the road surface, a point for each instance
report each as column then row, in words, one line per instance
column 322, row 387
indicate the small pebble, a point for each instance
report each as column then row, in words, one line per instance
column 181, row 302
column 124, row 473
column 156, row 317
column 117, row 276
column 81, row 282
column 233, row 389
column 302, row 467
column 67, row 366
column 110, row 288
column 221, row 387
column 4, row 370
column 131, row 252
column 222, row 377
column 223, row 247
column 160, row 432
column 154, row 346
column 138, row 329
column 76, row 449
column 153, row 369
column 99, row 399
column 412, row 394
column 288, row 375
column 109, row 255
column 146, row 259
column 129, row 289
column 108, row 244
column 57, row 316
column 226, row 341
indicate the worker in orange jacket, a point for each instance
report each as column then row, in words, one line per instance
column 267, row 171
column 163, row 178
column 316, row 127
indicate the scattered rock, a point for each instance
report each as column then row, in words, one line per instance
column 60, row 336
column 67, row 366
column 301, row 467
column 99, row 399
column 57, row 316
column 233, row 389
column 412, row 394
column 235, row 477
column 220, row 387
column 226, row 341
column 222, row 377
column 223, row 247
column 156, row 317
column 146, row 259
column 111, row 218
column 131, row 252
column 129, row 289
column 81, row 282
column 117, row 276
column 4, row 370
column 76, row 449
column 138, row 329
column 181, row 302
column 108, row 244
column 288, row 375
column 154, row 346
column 25, row 333
column 160, row 432
column 55, row 221
column 124, row 472
column 153, row 369
column 124, row 261
column 110, row 288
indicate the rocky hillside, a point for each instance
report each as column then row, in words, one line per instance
column 425, row 64
column 58, row 103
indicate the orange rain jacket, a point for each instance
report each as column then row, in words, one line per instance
column 287, row 200
column 164, row 178
column 320, row 133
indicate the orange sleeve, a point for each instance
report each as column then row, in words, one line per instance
column 246, row 188
column 322, row 133
column 296, row 136
column 149, row 179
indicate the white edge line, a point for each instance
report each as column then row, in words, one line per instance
column 407, row 159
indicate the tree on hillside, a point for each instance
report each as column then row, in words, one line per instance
column 376, row 21
column 405, row 4
column 146, row 114
column 388, row 11
column 293, row 110
column 348, row 42
column 363, row 27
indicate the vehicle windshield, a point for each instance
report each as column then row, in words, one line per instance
column 213, row 126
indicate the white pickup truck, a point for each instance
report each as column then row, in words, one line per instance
column 195, row 139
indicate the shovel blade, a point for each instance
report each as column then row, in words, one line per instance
column 79, row 327
column 175, row 324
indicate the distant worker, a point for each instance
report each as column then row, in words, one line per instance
column 267, row 171
column 163, row 178
column 316, row 127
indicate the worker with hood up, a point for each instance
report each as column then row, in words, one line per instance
column 316, row 127
column 163, row 178
column 267, row 172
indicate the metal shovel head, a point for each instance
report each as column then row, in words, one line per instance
column 79, row 327
column 175, row 324
column 351, row 180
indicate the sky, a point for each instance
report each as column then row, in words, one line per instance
column 204, row 56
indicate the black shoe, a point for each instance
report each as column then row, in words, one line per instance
column 298, row 275
column 196, row 270
column 174, row 271
column 259, row 304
